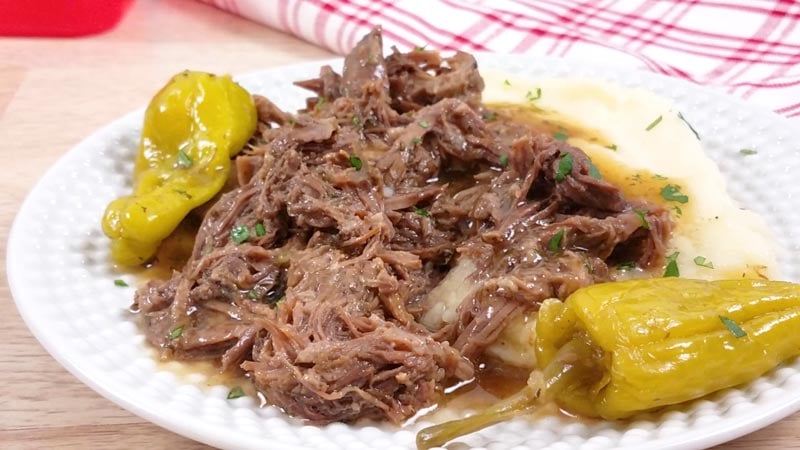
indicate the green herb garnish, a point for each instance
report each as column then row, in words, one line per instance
column 564, row 167
column 175, row 333
column 185, row 194
column 532, row 97
column 424, row 123
column 612, row 147
column 677, row 210
column 420, row 48
column 356, row 122
column 507, row 83
column 653, row 124
column 184, row 160
column 672, row 193
column 594, row 172
column 355, row 161
column 733, row 327
column 672, row 266
column 703, row 262
column 120, row 283
column 555, row 242
column 626, row 265
column 235, row 393
column 696, row 134
column 261, row 230
column 489, row 116
column 560, row 136
column 240, row 234
column 421, row 211
column 503, row 160
column 643, row 217
column 748, row 151
column 416, row 140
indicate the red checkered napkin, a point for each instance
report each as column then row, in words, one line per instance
column 751, row 48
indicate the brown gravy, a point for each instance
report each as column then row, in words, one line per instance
column 633, row 184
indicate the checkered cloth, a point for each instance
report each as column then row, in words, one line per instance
column 750, row 48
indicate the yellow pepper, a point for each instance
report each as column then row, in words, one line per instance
column 613, row 350
column 192, row 128
column 667, row 341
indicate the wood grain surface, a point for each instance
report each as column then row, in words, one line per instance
column 54, row 92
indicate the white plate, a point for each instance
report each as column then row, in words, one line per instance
column 63, row 285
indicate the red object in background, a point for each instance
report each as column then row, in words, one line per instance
column 59, row 17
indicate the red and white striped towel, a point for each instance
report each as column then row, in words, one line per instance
column 751, row 48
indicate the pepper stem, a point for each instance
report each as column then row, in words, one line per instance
column 567, row 369
column 524, row 400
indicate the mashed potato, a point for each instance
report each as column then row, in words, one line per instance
column 639, row 143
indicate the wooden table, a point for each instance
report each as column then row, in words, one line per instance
column 54, row 92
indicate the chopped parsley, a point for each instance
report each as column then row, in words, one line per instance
column 659, row 177
column 733, row 327
column 748, row 151
column 588, row 266
column 355, row 161
column 175, row 333
column 677, row 210
column 290, row 122
column 320, row 101
column 696, row 134
column 356, row 122
column 255, row 293
column 612, row 147
column 421, row 211
column 555, row 242
column 185, row 194
column 560, row 136
column 420, row 48
column 489, row 116
column 653, row 124
column 416, row 140
column 703, row 262
column 507, row 83
column 672, row 266
column 235, row 393
column 503, row 160
column 120, row 283
column 530, row 97
column 564, row 167
column 240, row 234
column 643, row 217
column 261, row 230
column 672, row 193
column 626, row 265
column 424, row 123
column 594, row 172
column 184, row 160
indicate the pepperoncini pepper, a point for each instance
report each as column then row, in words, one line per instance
column 666, row 341
column 192, row 128
column 613, row 350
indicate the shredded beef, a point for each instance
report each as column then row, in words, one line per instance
column 357, row 206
